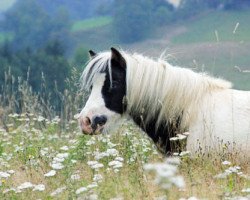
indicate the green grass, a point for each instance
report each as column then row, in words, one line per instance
column 219, row 59
column 30, row 146
column 92, row 23
column 202, row 28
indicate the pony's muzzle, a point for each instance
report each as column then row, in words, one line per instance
column 94, row 125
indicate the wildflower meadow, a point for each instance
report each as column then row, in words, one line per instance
column 45, row 156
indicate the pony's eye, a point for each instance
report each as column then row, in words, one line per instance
column 115, row 84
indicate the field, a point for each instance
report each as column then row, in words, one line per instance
column 89, row 24
column 216, row 29
column 49, row 158
column 43, row 161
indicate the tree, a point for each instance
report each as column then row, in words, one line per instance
column 132, row 19
column 48, row 64
column 80, row 58
column 189, row 8
column 32, row 26
column 135, row 19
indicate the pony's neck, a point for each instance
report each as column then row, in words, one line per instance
column 161, row 134
column 165, row 92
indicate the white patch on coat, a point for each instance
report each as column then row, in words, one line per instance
column 95, row 106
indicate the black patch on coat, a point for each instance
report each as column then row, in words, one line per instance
column 114, row 93
column 114, row 97
column 161, row 135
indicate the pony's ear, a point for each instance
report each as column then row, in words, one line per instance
column 92, row 54
column 117, row 57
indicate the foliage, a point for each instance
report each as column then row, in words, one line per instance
column 45, row 69
column 32, row 26
column 190, row 8
column 81, row 56
column 77, row 9
column 134, row 20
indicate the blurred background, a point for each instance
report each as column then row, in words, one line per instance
column 45, row 42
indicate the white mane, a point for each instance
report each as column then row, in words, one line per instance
column 96, row 65
column 157, row 87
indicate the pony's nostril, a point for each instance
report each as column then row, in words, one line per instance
column 100, row 120
column 87, row 121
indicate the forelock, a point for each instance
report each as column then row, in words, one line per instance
column 99, row 64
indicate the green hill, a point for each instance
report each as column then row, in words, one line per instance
column 92, row 23
column 216, row 26
column 217, row 42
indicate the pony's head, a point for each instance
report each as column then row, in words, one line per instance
column 105, row 78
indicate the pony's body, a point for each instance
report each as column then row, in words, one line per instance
column 165, row 100
column 223, row 118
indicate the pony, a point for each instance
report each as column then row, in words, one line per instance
column 165, row 101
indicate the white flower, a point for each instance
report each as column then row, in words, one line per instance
column 221, row 175
column 173, row 160
column 226, row 162
column 178, row 181
column 97, row 178
column 234, row 169
column 62, row 155
column 184, row 153
column 81, row 189
column 112, row 152
column 111, row 145
column 57, row 166
column 9, row 190
column 101, row 155
column 50, row 173
column 115, row 164
column 4, row 175
column 92, row 185
column 247, row 190
column 75, row 176
column 40, row 118
column 14, row 115
column 39, row 187
column 119, row 165
column 119, row 159
column 25, row 185
column 165, row 173
column 44, row 151
column 97, row 166
column 73, row 161
column 58, row 191
column 58, row 160
column 192, row 198
column 90, row 142
column 90, row 163
column 64, row 148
